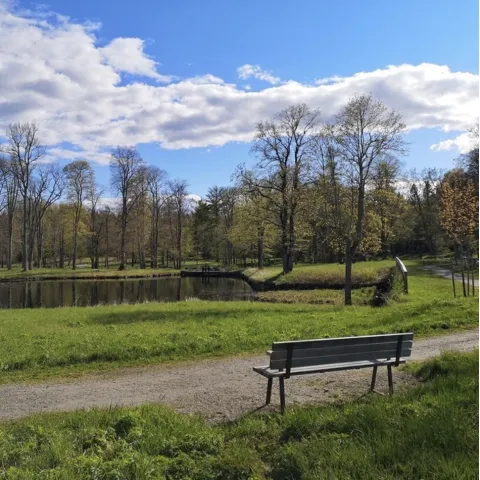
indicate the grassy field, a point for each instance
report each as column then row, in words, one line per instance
column 360, row 296
column 332, row 273
column 428, row 432
column 68, row 341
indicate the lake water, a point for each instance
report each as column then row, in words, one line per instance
column 82, row 293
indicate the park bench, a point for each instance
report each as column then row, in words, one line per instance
column 303, row 357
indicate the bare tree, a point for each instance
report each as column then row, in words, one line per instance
column 214, row 200
column 45, row 189
column 9, row 189
column 178, row 204
column 227, row 208
column 107, row 213
column 364, row 132
column 25, row 150
column 156, row 189
column 283, row 148
column 95, row 224
column 128, row 174
column 78, row 175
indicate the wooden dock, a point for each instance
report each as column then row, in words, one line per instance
column 207, row 271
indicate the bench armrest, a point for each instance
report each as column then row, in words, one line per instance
column 269, row 352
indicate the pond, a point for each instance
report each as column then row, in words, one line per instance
column 83, row 293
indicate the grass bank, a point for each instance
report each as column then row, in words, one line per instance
column 44, row 343
column 428, row 432
column 360, row 296
column 16, row 274
column 331, row 275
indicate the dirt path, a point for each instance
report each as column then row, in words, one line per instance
column 444, row 272
column 220, row 390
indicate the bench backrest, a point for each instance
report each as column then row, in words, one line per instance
column 309, row 353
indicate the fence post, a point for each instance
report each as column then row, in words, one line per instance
column 404, row 272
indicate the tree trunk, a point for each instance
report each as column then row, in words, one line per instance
column 348, row 273
column 261, row 234
column 75, row 243
column 62, row 248
column 287, row 260
column 40, row 245
column 314, row 246
column 30, row 250
column 24, row 233
column 123, row 257
column 10, row 241
column 107, row 263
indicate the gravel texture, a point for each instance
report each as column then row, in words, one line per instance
column 220, row 389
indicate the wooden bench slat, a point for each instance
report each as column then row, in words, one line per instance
column 344, row 349
column 327, row 342
column 268, row 372
column 303, row 357
column 340, row 358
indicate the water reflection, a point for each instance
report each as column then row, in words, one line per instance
column 83, row 293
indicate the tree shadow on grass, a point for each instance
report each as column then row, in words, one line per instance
column 191, row 315
column 118, row 318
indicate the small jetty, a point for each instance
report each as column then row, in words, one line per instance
column 208, row 271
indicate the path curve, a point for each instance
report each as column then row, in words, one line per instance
column 445, row 273
column 220, row 389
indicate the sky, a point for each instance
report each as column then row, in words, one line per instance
column 187, row 81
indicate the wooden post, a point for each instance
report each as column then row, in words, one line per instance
column 472, row 274
column 374, row 379
column 453, row 282
column 390, row 379
column 282, row 394
column 468, row 282
column 463, row 281
column 269, row 391
column 404, row 272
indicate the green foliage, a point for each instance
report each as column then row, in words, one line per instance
column 67, row 341
column 428, row 432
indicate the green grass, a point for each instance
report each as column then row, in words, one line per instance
column 322, row 274
column 360, row 296
column 56, row 273
column 41, row 343
column 85, row 271
column 427, row 432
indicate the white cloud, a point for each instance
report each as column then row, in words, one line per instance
column 126, row 55
column 114, row 203
column 194, row 197
column 53, row 71
column 463, row 143
column 255, row 71
column 102, row 158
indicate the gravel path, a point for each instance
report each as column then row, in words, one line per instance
column 220, row 389
column 444, row 272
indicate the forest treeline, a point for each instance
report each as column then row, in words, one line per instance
column 317, row 193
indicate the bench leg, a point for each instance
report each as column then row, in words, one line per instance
column 374, row 379
column 269, row 391
column 282, row 394
column 390, row 379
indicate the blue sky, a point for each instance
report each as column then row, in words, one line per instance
column 198, row 129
